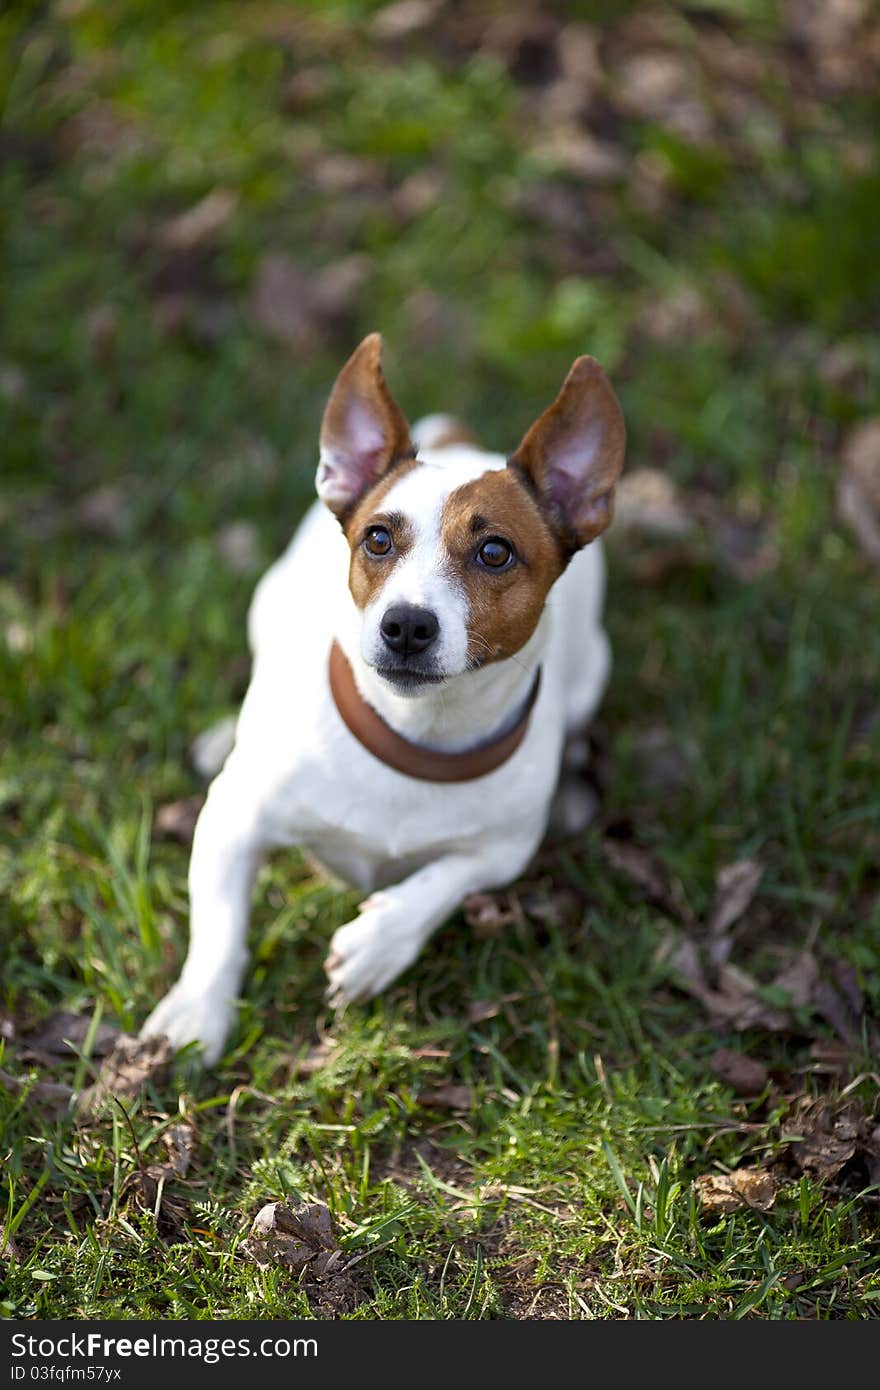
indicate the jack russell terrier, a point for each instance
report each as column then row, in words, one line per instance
column 422, row 653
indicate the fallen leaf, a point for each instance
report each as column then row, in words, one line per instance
column 131, row 1065
column 798, row 980
column 180, row 1141
column 102, row 328
column 662, row 761
column 447, row 1098
column 829, row 1005
column 293, row 304
column 53, row 1095
column 646, row 500
column 315, row 1060
column 238, row 545
column 64, row 1034
column 827, row 1139
column 734, row 1001
column 8, row 1248
column 489, row 914
column 292, row 1236
column 745, row 546
column 722, row 1193
column 176, row 820
column 648, row 874
column 858, row 489
column 404, row 18
column 745, row 1075
column 481, row 1010
column 200, row 223
column 735, row 886
column 106, row 510
column 146, row 1189
column 571, row 150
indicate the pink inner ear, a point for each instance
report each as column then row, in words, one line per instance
column 365, row 442
column 569, row 464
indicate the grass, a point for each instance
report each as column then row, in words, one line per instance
column 565, row 1186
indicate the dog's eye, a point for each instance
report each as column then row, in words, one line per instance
column 378, row 541
column 495, row 554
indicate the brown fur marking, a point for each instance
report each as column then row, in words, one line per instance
column 366, row 574
column 504, row 608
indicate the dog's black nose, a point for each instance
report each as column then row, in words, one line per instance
column 408, row 630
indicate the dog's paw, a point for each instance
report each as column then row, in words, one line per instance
column 368, row 953
column 185, row 1017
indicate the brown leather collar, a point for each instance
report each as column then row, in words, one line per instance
column 426, row 764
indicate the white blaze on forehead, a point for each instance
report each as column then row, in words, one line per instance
column 421, row 497
column 422, row 493
column 422, row 576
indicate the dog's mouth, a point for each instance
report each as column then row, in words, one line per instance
column 407, row 680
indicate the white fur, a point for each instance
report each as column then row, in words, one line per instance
column 296, row 776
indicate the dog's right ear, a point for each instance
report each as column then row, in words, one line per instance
column 363, row 432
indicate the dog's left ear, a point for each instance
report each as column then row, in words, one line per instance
column 364, row 430
column 573, row 453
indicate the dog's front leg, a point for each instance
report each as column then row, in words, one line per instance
column 227, row 849
column 394, row 924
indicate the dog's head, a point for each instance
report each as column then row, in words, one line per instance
column 453, row 554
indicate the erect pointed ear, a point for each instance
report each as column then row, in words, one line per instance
column 363, row 431
column 573, row 454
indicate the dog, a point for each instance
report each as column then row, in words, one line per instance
column 426, row 656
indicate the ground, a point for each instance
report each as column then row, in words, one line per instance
column 204, row 208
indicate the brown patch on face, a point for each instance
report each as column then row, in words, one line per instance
column 503, row 607
column 368, row 573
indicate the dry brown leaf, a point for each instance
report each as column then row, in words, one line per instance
column 858, row 489
column 238, row 545
column 131, row 1065
column 722, row 1193
column 293, row 304
column 64, row 1034
column 735, row 886
column 745, row 1075
column 447, row 1098
column 180, row 1142
column 798, row 979
column 734, row 1002
column 316, row 1059
column 488, row 914
column 646, row 500
column 403, row 18
column 827, row 1140
column 176, row 820
column 54, row 1096
column 291, row 1236
column 201, row 223
column 8, row 1248
column 662, row 761
column 648, row 874
column 481, row 1010
column 106, row 510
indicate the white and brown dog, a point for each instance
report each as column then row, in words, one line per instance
column 422, row 652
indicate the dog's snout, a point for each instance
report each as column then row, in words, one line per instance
column 408, row 630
